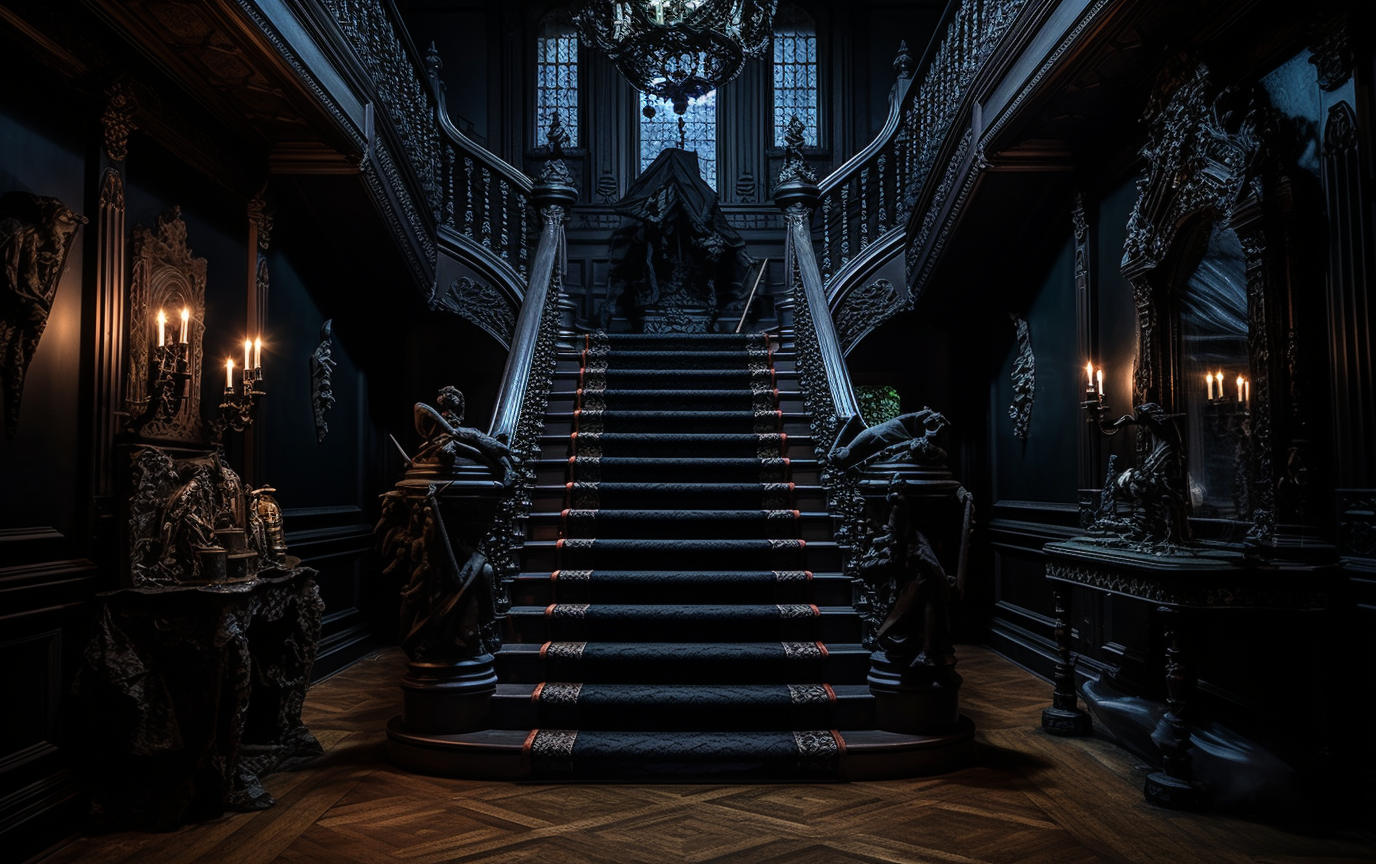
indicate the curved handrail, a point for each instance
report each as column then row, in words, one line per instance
column 465, row 144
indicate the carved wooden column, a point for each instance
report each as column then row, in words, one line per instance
column 107, row 293
column 1064, row 717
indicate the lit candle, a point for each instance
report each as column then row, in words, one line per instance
column 1209, row 383
column 1220, row 385
column 1089, row 376
column 1100, row 376
column 1247, row 386
column 186, row 316
column 1239, row 389
column 162, row 328
column 257, row 353
column 229, row 374
column 248, row 346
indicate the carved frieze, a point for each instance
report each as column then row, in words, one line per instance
column 482, row 305
column 866, row 308
column 1024, row 379
column 167, row 276
column 36, row 235
column 322, row 372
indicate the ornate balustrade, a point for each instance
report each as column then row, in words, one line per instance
column 477, row 204
column 868, row 201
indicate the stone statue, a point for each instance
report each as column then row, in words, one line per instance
column 904, row 569
column 447, row 439
column 909, row 438
column 1155, row 488
column 36, row 234
column 795, row 166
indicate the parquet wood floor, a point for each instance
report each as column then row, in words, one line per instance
column 1028, row 798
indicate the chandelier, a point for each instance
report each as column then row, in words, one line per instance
column 678, row 50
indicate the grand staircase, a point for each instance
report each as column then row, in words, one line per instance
column 681, row 611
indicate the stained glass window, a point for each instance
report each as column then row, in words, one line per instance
column 795, row 76
column 699, row 128
column 556, row 80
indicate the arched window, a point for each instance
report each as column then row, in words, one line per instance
column 659, row 130
column 556, row 77
column 795, row 73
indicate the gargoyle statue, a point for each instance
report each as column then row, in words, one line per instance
column 909, row 438
column 36, row 233
column 1155, row 489
column 904, row 570
column 447, row 439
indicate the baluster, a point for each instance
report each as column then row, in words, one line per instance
column 505, row 242
column 468, row 190
column 487, row 207
column 864, row 208
column 826, row 236
column 522, row 253
column 883, row 215
column 845, row 223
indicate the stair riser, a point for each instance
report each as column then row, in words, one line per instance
column 827, row 627
column 520, row 712
column 544, row 557
column 552, row 526
column 827, row 591
column 803, row 472
column 793, row 426
column 565, row 399
column 836, row 668
column 556, row 497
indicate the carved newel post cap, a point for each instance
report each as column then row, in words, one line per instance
column 797, row 191
column 552, row 193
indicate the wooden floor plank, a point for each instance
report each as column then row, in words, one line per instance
column 1028, row 798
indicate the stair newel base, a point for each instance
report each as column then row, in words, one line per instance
column 914, row 700
column 440, row 694
column 912, row 674
column 447, row 696
column 1064, row 716
column 566, row 337
column 783, row 308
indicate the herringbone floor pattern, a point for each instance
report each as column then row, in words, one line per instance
column 1029, row 798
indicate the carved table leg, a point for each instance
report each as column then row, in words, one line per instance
column 1174, row 786
column 1064, row 717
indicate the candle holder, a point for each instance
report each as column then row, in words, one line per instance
column 236, row 408
column 1099, row 411
column 167, row 384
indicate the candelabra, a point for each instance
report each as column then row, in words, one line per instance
column 1094, row 404
column 171, row 370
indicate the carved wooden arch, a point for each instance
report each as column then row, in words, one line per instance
column 166, row 275
column 1209, row 161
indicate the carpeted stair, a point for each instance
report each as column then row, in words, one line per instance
column 681, row 611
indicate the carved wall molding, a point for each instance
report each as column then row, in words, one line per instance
column 322, row 379
column 118, row 120
column 866, row 308
column 1024, row 379
column 1332, row 52
column 36, row 235
column 168, row 276
column 481, row 304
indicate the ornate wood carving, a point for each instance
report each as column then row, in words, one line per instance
column 1024, row 379
column 482, row 305
column 866, row 308
column 322, row 371
column 167, row 276
column 1357, row 522
column 1208, row 160
column 118, row 121
column 36, row 234
column 1332, row 52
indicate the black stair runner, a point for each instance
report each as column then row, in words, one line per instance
column 681, row 612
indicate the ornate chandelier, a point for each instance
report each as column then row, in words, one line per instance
column 677, row 50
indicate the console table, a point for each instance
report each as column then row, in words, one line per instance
column 1180, row 585
column 187, row 695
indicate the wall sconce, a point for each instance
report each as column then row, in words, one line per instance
column 236, row 407
column 1094, row 403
